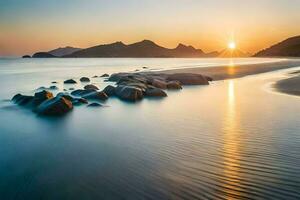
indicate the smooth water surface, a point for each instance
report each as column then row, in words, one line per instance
column 233, row 139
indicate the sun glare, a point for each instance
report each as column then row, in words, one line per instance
column 231, row 45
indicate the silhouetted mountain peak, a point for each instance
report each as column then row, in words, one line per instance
column 181, row 46
column 62, row 51
column 145, row 43
column 287, row 48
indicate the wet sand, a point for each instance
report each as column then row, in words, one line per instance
column 237, row 71
column 290, row 85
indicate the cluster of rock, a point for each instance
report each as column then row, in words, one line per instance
column 45, row 103
column 129, row 87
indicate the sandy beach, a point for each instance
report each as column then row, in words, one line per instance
column 237, row 71
column 290, row 85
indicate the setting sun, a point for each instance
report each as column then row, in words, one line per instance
column 231, row 45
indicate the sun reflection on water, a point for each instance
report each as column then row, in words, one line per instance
column 231, row 146
column 231, row 67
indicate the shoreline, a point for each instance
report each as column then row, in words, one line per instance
column 290, row 85
column 236, row 71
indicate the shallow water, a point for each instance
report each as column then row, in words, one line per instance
column 234, row 139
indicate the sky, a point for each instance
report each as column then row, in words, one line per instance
column 28, row 26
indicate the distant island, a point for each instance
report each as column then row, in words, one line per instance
column 287, row 48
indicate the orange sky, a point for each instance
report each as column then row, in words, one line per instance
column 27, row 27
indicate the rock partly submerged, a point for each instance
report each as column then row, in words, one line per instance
column 70, row 81
column 91, row 87
column 85, row 79
column 44, row 103
column 54, row 106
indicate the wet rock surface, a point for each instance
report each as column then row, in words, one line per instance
column 70, row 81
column 91, row 87
column 84, row 79
column 55, row 106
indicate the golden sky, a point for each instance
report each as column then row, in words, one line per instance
column 40, row 25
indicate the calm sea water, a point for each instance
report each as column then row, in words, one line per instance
column 234, row 139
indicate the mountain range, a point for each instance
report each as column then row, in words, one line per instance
column 143, row 49
column 287, row 48
column 148, row 49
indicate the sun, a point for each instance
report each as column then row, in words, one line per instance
column 231, row 45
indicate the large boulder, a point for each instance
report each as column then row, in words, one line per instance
column 188, row 78
column 96, row 96
column 155, row 92
column 42, row 96
column 91, row 87
column 22, row 100
column 174, row 85
column 84, row 79
column 159, row 84
column 55, row 106
column 65, row 95
column 70, row 81
column 139, row 85
column 129, row 93
column 109, row 90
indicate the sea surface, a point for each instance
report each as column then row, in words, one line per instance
column 233, row 139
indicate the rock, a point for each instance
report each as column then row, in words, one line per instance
column 188, row 79
column 40, row 97
column 174, row 85
column 105, row 75
column 139, row 85
column 95, row 76
column 55, row 106
column 71, row 88
column 82, row 92
column 65, row 95
column 155, row 92
column 22, row 100
column 94, row 105
column 53, row 82
column 53, row 87
column 129, row 93
column 109, row 90
column 84, row 79
column 145, row 67
column 159, row 84
column 26, row 56
column 117, row 76
column 91, row 87
column 79, row 101
column 70, row 81
column 208, row 78
column 96, row 96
